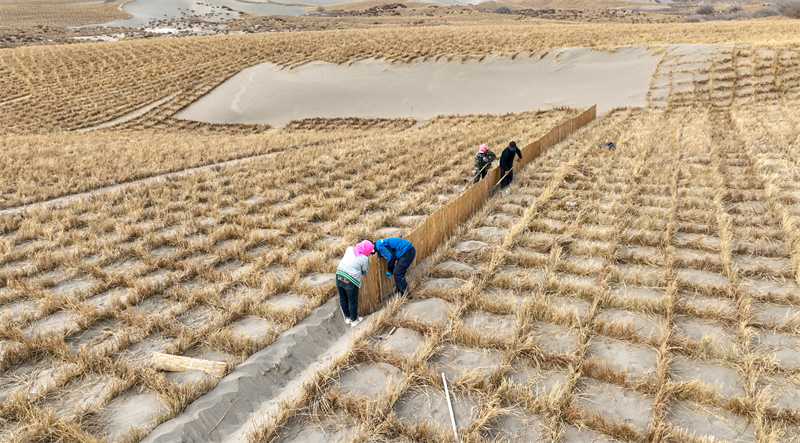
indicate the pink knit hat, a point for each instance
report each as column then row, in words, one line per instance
column 364, row 248
column 483, row 149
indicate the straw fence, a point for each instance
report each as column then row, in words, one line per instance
column 444, row 221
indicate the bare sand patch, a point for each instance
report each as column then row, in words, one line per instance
column 311, row 431
column 540, row 382
column 498, row 328
column 84, row 394
column 441, row 284
column 473, row 364
column 403, row 341
column 784, row 348
column 615, row 404
column 554, row 339
column 490, row 234
column 371, row 380
column 131, row 411
column 454, row 268
column 635, row 361
column 317, row 280
column 515, row 426
column 708, row 337
column 570, row 307
column 716, row 377
column 470, row 245
column 574, row 434
column 287, row 302
column 268, row 93
column 706, row 421
column 432, row 310
column 254, row 329
column 428, row 405
column 623, row 322
column 60, row 323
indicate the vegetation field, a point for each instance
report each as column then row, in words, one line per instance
column 646, row 293
column 215, row 263
column 56, row 88
column 25, row 15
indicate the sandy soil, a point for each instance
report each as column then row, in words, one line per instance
column 421, row 89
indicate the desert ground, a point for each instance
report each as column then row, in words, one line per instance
column 189, row 188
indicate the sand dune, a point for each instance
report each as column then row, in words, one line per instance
column 266, row 93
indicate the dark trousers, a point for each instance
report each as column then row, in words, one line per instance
column 400, row 269
column 481, row 175
column 506, row 178
column 348, row 298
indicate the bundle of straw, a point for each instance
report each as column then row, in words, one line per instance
column 545, row 247
column 578, row 171
column 176, row 363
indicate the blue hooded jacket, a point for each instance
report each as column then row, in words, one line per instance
column 392, row 248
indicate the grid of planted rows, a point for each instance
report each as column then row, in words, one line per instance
column 82, row 85
column 213, row 264
column 645, row 293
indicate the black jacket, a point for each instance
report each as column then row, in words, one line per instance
column 507, row 158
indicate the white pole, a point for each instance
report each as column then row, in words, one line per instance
column 450, row 406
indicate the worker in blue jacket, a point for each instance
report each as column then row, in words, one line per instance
column 400, row 254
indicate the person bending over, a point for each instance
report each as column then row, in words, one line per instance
column 400, row 254
column 352, row 266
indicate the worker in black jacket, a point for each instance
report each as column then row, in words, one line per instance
column 507, row 163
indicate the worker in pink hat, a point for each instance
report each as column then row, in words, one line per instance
column 352, row 266
column 483, row 161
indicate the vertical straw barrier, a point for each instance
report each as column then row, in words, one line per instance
column 443, row 221
column 450, row 407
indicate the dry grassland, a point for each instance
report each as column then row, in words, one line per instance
column 213, row 264
column 29, row 14
column 47, row 22
column 647, row 293
column 55, row 88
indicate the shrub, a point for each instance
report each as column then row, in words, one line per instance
column 734, row 9
column 768, row 11
column 502, row 9
column 692, row 19
column 790, row 8
column 704, row 10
